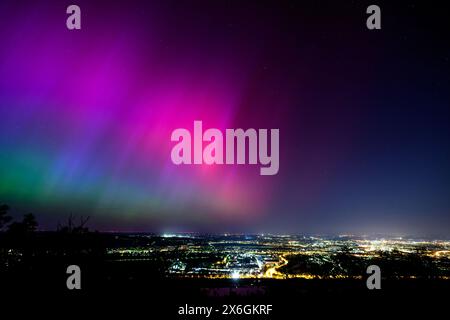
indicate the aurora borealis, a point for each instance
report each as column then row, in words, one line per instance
column 86, row 115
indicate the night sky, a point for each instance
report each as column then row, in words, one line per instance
column 86, row 115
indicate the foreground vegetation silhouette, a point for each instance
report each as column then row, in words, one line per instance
column 33, row 260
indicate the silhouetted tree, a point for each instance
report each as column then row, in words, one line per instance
column 4, row 217
column 29, row 220
column 28, row 225
column 73, row 228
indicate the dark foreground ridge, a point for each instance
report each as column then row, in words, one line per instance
column 170, row 271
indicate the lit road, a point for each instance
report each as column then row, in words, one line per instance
column 273, row 271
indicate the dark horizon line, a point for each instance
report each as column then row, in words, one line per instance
column 309, row 235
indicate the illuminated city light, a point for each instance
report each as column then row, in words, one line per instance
column 276, row 257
